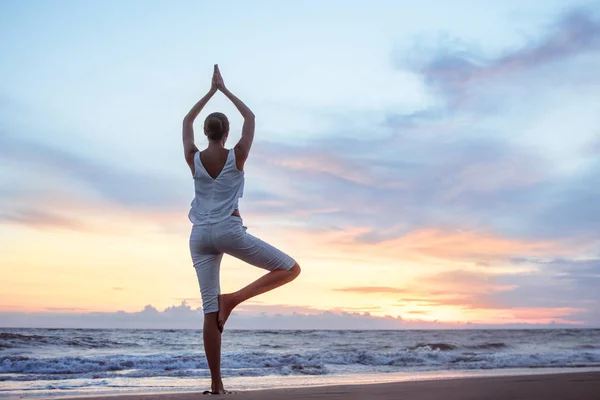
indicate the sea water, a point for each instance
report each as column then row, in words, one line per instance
column 57, row 362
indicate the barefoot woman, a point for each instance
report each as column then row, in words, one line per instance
column 217, row 225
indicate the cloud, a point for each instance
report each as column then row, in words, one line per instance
column 276, row 309
column 454, row 71
column 532, row 295
column 483, row 295
column 185, row 317
column 117, row 185
column 552, row 283
column 465, row 289
column 470, row 245
column 509, row 170
column 40, row 218
column 420, row 183
column 429, row 248
column 574, row 209
column 371, row 289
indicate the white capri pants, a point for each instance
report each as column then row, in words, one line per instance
column 209, row 242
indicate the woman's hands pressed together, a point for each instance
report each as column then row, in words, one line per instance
column 217, row 80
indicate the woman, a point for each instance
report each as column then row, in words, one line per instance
column 217, row 225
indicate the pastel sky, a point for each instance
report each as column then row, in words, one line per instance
column 427, row 164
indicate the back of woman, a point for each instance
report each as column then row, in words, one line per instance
column 218, row 184
column 218, row 226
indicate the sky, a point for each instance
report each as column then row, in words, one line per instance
column 428, row 165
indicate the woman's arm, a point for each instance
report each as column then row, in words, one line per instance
column 189, row 147
column 242, row 148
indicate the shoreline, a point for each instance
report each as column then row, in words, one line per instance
column 560, row 385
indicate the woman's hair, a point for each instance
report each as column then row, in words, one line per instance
column 216, row 125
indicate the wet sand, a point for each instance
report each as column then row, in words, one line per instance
column 572, row 386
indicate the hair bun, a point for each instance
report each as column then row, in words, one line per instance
column 215, row 126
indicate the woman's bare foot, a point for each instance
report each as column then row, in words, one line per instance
column 216, row 388
column 220, row 392
column 227, row 303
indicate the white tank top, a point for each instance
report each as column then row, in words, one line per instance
column 216, row 199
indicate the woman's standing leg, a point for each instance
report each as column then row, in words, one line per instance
column 207, row 262
column 212, row 348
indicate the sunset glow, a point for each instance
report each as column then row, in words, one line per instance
column 422, row 168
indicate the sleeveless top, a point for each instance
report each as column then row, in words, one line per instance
column 216, row 199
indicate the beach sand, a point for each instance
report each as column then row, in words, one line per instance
column 571, row 386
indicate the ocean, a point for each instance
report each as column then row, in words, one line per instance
column 57, row 362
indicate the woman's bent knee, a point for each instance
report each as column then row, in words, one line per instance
column 295, row 270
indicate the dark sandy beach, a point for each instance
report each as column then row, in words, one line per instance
column 572, row 386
